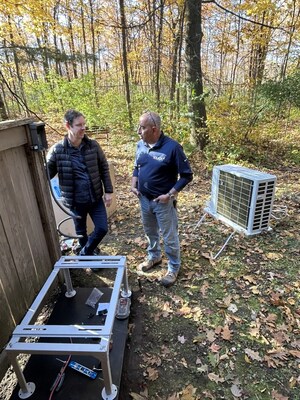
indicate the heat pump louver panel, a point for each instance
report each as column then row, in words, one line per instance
column 242, row 198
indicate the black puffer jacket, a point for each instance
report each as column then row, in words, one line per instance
column 59, row 162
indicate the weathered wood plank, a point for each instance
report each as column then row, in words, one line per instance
column 42, row 193
column 14, row 219
column 33, row 233
column 13, row 137
column 12, row 305
column 5, row 125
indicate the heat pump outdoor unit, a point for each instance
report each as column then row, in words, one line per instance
column 242, row 198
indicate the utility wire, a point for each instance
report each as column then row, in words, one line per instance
column 244, row 18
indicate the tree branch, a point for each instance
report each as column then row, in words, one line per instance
column 244, row 18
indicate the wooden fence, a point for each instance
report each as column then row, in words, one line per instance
column 29, row 244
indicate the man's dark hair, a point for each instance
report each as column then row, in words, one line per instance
column 71, row 114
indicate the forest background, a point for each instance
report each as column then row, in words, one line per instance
column 224, row 76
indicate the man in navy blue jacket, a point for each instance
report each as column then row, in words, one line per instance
column 161, row 171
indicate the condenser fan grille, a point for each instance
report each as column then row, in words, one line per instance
column 234, row 198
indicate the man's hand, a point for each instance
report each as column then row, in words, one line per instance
column 108, row 199
column 135, row 191
column 163, row 198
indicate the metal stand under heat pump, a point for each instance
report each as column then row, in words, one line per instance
column 25, row 335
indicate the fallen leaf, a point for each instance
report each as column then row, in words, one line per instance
column 276, row 299
column 204, row 288
column 136, row 396
column 181, row 339
column 277, row 396
column 295, row 353
column 152, row 374
column 226, row 333
column 188, row 393
column 206, row 255
column 183, row 362
column 249, row 278
column 293, row 382
column 254, row 355
column 273, row 362
column 291, row 301
column 203, row 368
column 232, row 308
column 215, row 378
column 214, row 359
column 274, row 256
column 210, row 336
column 215, row 348
column 254, row 331
column 236, row 391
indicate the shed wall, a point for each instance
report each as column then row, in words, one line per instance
column 29, row 244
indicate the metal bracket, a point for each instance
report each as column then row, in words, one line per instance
column 20, row 341
column 201, row 220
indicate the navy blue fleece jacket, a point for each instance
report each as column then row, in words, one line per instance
column 162, row 167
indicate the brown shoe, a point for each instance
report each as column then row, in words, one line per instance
column 148, row 264
column 169, row 279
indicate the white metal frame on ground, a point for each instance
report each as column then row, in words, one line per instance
column 27, row 330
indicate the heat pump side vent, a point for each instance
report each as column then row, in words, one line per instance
column 263, row 206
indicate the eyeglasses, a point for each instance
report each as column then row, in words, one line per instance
column 82, row 126
column 151, row 116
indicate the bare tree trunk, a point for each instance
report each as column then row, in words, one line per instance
column 93, row 48
column 238, row 43
column 43, row 50
column 72, row 48
column 197, row 110
column 176, row 57
column 66, row 62
column 84, row 39
column 58, row 68
column 291, row 35
column 180, row 63
column 158, row 54
column 3, row 113
column 125, row 63
column 16, row 61
column 259, row 53
column 222, row 56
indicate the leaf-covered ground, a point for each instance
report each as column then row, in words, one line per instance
column 230, row 327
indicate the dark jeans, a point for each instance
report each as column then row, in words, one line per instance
column 97, row 212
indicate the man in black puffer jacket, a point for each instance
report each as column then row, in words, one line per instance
column 83, row 173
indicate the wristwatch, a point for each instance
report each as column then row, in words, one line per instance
column 171, row 195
